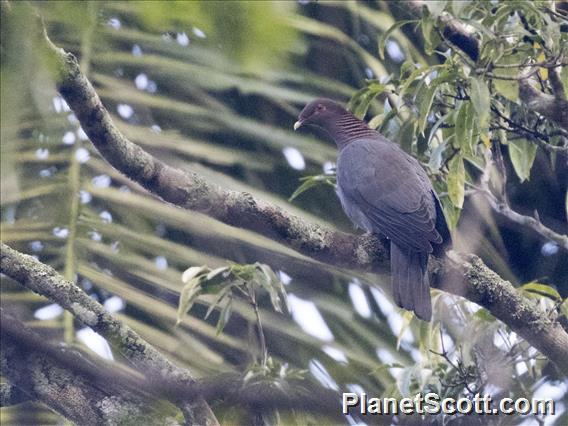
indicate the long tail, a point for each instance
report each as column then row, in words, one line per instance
column 410, row 285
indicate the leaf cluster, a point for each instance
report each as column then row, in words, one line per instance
column 227, row 282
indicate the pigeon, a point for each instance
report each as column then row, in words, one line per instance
column 383, row 190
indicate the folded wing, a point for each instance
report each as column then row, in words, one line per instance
column 391, row 190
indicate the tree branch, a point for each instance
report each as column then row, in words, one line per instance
column 454, row 31
column 503, row 208
column 90, row 391
column 469, row 277
column 69, row 383
column 11, row 395
column 534, row 136
column 367, row 252
column 555, row 108
column 44, row 280
column 500, row 205
column 556, row 84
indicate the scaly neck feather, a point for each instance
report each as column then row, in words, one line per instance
column 346, row 128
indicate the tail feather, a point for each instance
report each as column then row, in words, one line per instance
column 410, row 285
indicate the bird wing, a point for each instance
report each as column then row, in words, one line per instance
column 392, row 190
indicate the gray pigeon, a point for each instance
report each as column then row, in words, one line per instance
column 384, row 190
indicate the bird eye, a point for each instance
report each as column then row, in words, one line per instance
column 320, row 107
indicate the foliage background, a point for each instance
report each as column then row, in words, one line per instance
column 215, row 87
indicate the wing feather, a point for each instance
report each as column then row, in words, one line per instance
column 392, row 190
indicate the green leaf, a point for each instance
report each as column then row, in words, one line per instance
column 382, row 121
column 406, row 319
column 245, row 272
column 428, row 25
column 219, row 299
column 436, row 7
column 465, row 122
column 215, row 280
column 312, row 181
column 360, row 101
column 542, row 290
column 451, row 213
column 188, row 294
column 384, row 36
column 434, row 131
column 224, row 316
column 484, row 315
column 522, row 153
column 508, row 88
column 456, row 181
column 436, row 157
column 457, row 6
column 564, row 79
column 427, row 97
column 406, row 135
column 269, row 282
column 415, row 74
column 481, row 101
column 192, row 272
column 216, row 272
column 277, row 284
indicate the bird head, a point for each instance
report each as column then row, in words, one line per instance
column 319, row 112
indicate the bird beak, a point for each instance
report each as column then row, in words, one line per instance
column 298, row 124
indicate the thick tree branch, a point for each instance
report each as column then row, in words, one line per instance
column 469, row 277
column 190, row 191
column 456, row 32
column 44, row 280
column 69, row 383
column 11, row 395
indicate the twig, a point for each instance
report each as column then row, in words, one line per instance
column 519, row 77
column 555, row 14
column 537, row 138
column 544, row 64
